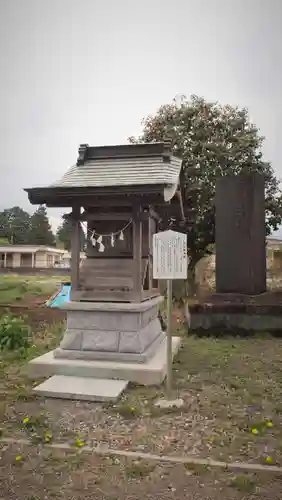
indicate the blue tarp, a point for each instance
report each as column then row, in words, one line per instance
column 58, row 299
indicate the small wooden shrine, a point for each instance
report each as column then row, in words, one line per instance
column 118, row 195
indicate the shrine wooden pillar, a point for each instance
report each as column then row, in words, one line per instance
column 137, row 253
column 75, row 247
column 150, row 251
column 153, row 219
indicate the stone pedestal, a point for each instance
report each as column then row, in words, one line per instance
column 111, row 331
column 105, row 342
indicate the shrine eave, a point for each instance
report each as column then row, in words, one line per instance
column 68, row 196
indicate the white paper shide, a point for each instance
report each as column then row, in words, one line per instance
column 170, row 255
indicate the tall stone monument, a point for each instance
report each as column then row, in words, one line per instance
column 240, row 234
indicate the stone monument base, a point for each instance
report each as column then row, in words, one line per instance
column 152, row 372
column 111, row 331
column 105, row 342
column 223, row 313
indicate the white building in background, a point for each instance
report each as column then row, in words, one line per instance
column 34, row 256
column 29, row 256
column 65, row 260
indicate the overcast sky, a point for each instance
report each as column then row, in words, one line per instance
column 88, row 71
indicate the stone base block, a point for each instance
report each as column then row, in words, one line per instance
column 111, row 331
column 81, row 388
column 143, row 357
column 148, row 373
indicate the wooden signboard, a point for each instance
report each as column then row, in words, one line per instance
column 169, row 262
column 170, row 255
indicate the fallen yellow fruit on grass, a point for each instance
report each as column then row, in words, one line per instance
column 255, row 431
column 79, row 443
column 48, row 437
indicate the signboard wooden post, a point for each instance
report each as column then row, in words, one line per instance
column 169, row 262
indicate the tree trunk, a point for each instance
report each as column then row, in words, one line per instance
column 191, row 278
column 186, row 313
column 191, row 288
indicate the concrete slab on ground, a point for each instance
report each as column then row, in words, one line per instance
column 151, row 372
column 81, row 388
column 169, row 403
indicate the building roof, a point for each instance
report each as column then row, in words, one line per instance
column 130, row 166
column 30, row 249
column 122, row 172
column 274, row 243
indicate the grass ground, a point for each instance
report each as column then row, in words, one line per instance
column 44, row 474
column 22, row 289
column 233, row 411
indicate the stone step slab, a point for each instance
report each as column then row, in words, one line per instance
column 81, row 388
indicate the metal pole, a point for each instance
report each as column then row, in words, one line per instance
column 168, row 340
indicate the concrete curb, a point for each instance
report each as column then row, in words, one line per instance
column 105, row 450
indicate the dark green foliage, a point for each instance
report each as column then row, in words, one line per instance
column 14, row 226
column 40, row 229
column 213, row 140
column 64, row 233
column 14, row 333
column 17, row 227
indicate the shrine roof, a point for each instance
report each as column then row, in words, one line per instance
column 125, row 166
